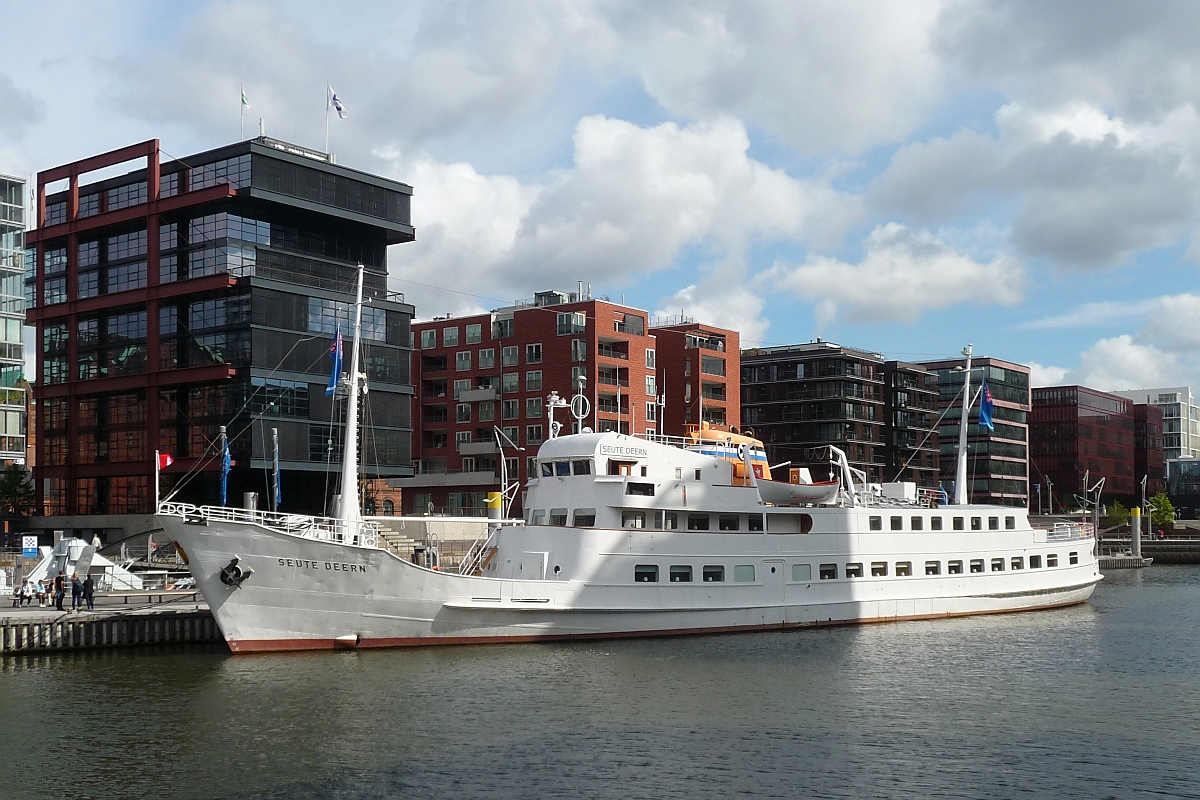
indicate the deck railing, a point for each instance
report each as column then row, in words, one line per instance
column 324, row 529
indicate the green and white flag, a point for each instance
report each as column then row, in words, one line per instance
column 245, row 99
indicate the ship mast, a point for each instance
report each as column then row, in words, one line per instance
column 348, row 511
column 960, row 474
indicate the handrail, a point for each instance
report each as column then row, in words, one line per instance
column 321, row 528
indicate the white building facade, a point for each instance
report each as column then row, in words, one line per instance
column 1181, row 418
column 12, row 320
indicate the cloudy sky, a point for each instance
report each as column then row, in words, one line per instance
column 904, row 177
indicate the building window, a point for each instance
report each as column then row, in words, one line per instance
column 649, row 358
column 512, row 409
column 428, row 339
column 509, row 356
column 533, row 381
column 487, row 358
column 651, row 412
column 533, row 408
column 533, row 434
column 571, row 322
column 711, row 365
column 487, row 411
column 462, row 437
column 533, row 353
column 462, row 360
column 474, row 333
column 510, row 383
column 578, row 350
column 461, row 386
column 450, row 337
column 503, row 329
column 651, row 386
column 464, row 412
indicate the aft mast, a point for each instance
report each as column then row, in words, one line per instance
column 960, row 474
column 348, row 510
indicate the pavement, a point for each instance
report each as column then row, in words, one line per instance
column 106, row 605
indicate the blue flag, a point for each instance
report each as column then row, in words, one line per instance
column 335, row 374
column 985, row 407
column 226, row 463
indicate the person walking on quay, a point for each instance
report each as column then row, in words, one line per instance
column 89, row 593
column 60, row 591
column 76, row 592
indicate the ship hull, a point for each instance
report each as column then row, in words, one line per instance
column 309, row 594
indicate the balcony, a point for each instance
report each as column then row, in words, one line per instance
column 431, row 479
column 477, row 448
column 478, row 395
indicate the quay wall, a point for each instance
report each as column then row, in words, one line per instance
column 78, row 632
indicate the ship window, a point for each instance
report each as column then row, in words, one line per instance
column 666, row 520
column 897, row 523
column 802, row 572
column 754, row 522
column 903, row 569
column 562, row 467
column 640, row 489
column 547, row 469
column 806, row 523
column 645, row 573
column 681, row 574
column 728, row 522
column 1073, row 558
column 876, row 523
column 1035, row 562
column 585, row 517
column 581, row 467
column 935, row 523
column 743, row 573
column 917, row 523
column 714, row 574
column 698, row 472
column 993, row 523
column 697, row 522
column 827, row 571
column 933, row 568
column 854, row 570
column 976, row 565
column 558, row 516
column 976, row 523
column 538, row 517
column 1010, row 523
column 958, row 523
column 997, row 565
column 1052, row 560
column 954, row 567
column 878, row 569
column 1018, row 562
column 633, row 519
column 679, row 473
column 645, row 471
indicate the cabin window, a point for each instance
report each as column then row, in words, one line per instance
column 585, row 517
column 875, row 523
column 1035, row 562
column 958, row 523
column 562, row 468
column 558, row 516
column 697, row 522
column 645, row 471
column 639, row 489
column 714, row 573
column 1073, row 558
column 679, row 473
column 698, row 473
column 878, row 569
column 1052, row 560
column 728, row 522
column 954, row 568
column 897, row 523
column 645, row 573
column 802, row 572
column 1010, row 523
column 743, row 573
column 754, row 522
column 933, row 568
column 976, row 565
column 681, row 574
column 827, row 572
column 666, row 520
column 903, row 569
column 547, row 469
column 806, row 523
column 633, row 519
column 917, row 523
column 1018, row 562
column 537, row 516
column 997, row 565
column 993, row 523
column 620, row 467
column 976, row 523
column 854, row 570
column 581, row 467
column 935, row 523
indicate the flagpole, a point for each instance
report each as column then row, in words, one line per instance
column 328, row 92
column 242, row 114
column 275, row 497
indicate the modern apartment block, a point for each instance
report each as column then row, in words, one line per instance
column 480, row 373
column 997, row 461
column 910, row 407
column 1181, row 418
column 12, row 319
column 1075, row 432
column 206, row 291
column 1149, row 463
column 698, row 371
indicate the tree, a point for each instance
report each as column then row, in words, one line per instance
column 1118, row 514
column 1161, row 510
column 16, row 490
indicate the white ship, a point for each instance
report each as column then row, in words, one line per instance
column 624, row 537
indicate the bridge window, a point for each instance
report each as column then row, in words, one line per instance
column 581, row 467
column 558, row 516
column 585, row 517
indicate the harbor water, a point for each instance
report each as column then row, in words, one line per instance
column 1099, row 700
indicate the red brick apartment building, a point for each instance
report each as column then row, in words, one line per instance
column 476, row 374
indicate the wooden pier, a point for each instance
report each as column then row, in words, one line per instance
column 38, row 630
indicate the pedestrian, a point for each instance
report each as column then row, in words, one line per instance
column 60, row 591
column 89, row 592
column 96, row 540
column 29, row 591
column 41, row 593
column 76, row 592
column 17, row 594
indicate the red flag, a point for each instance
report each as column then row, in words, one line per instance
column 165, row 460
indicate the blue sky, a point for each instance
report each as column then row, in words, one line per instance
column 900, row 177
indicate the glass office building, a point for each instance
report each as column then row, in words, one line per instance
column 12, row 320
